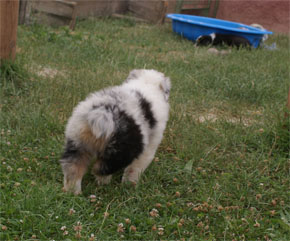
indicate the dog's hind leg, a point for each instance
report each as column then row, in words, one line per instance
column 73, row 175
column 74, row 166
column 133, row 172
column 101, row 179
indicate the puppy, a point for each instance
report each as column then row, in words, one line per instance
column 220, row 39
column 118, row 128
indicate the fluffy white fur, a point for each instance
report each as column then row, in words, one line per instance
column 96, row 120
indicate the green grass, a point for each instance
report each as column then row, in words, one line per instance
column 223, row 169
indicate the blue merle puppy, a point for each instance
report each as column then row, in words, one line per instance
column 117, row 128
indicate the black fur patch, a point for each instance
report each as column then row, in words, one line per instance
column 231, row 40
column 110, row 108
column 96, row 106
column 146, row 109
column 204, row 40
column 125, row 145
column 71, row 150
column 227, row 39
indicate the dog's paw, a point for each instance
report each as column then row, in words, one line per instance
column 70, row 190
column 128, row 183
column 131, row 175
column 103, row 180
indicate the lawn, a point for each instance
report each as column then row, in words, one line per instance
column 220, row 173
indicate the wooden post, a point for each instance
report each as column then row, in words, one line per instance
column 22, row 11
column 163, row 11
column 8, row 28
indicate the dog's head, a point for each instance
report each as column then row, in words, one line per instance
column 151, row 77
column 205, row 40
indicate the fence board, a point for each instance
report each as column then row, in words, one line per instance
column 8, row 28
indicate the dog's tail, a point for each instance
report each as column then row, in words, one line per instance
column 101, row 121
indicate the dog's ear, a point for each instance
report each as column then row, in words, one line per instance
column 165, row 86
column 134, row 74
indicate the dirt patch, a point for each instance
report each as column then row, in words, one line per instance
column 214, row 115
column 173, row 55
column 46, row 72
